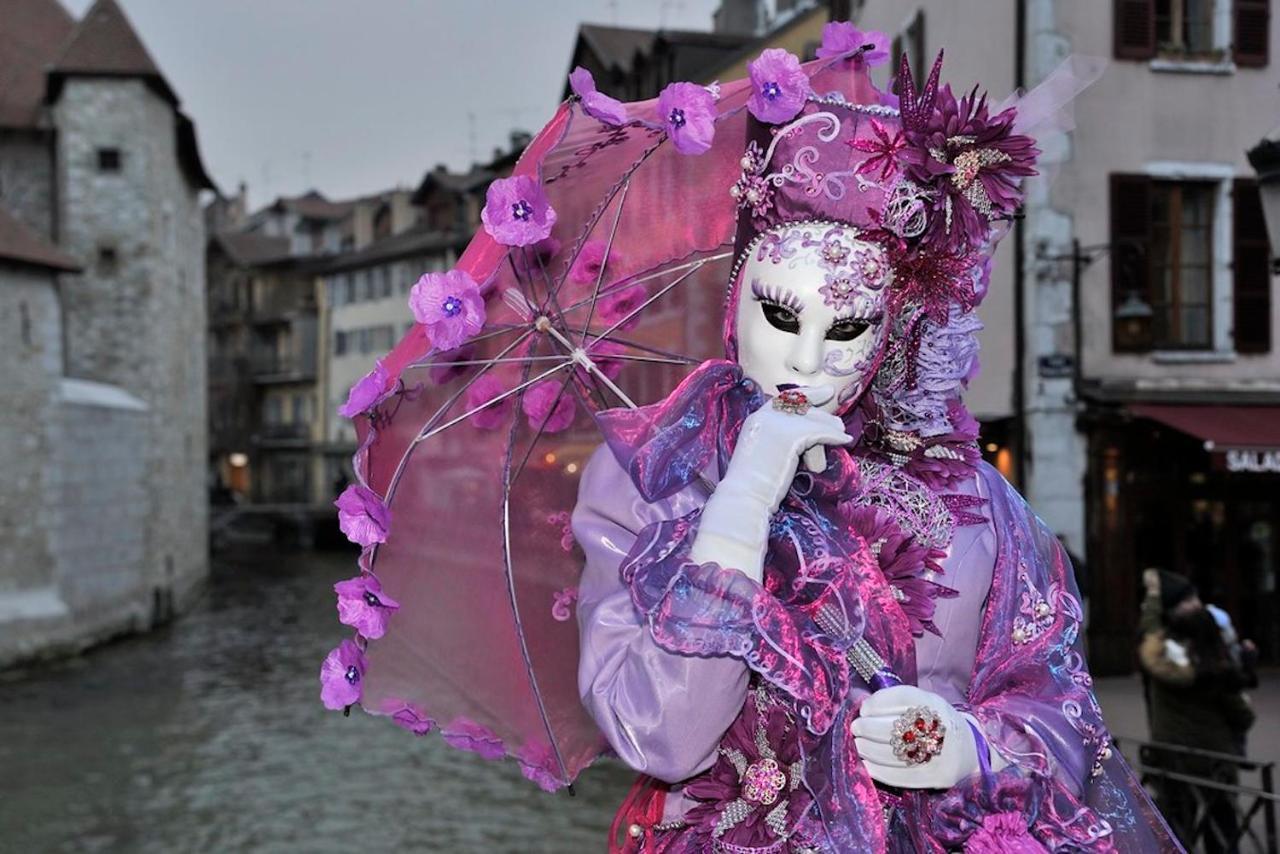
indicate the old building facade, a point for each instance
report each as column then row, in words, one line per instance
column 99, row 166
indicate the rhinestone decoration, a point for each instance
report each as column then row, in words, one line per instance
column 917, row 735
column 763, row 782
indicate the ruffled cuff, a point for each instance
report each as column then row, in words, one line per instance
column 709, row 610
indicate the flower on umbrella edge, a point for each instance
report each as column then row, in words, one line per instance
column 363, row 605
column 594, row 102
column 342, row 676
column 450, row 306
column 516, row 211
column 362, row 516
column 687, row 112
column 779, row 86
column 842, row 37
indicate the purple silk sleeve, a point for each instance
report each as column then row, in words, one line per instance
column 662, row 713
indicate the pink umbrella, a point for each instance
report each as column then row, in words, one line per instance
column 597, row 282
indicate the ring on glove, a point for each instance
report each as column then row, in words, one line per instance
column 792, row 401
column 917, row 735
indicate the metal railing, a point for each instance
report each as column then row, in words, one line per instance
column 1204, row 830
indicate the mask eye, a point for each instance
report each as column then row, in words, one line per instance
column 780, row 317
column 847, row 329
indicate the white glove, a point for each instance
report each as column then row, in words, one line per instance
column 734, row 529
column 873, row 728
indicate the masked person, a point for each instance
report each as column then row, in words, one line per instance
column 1195, row 698
column 800, row 526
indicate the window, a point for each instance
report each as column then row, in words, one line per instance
column 108, row 160
column 1250, row 270
column 1184, row 26
column 108, row 261
column 348, row 288
column 1162, row 263
column 340, row 343
column 1217, row 30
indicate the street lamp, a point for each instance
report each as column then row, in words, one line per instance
column 1265, row 160
column 1133, row 321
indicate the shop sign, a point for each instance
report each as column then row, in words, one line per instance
column 1240, row 460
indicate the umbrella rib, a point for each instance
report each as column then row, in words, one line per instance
column 642, row 306
column 654, row 350
column 604, row 264
column 511, row 593
column 515, row 359
column 439, row 413
column 422, row 437
column 626, row 283
column 560, row 334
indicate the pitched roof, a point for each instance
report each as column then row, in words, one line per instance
column 615, row 46
column 105, row 44
column 406, row 243
column 452, row 182
column 249, row 248
column 314, row 205
column 31, row 38
column 21, row 244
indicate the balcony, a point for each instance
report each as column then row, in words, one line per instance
column 275, row 368
column 293, row 435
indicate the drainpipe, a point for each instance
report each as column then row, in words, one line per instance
column 1019, row 278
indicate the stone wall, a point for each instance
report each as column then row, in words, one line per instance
column 140, row 323
column 26, row 178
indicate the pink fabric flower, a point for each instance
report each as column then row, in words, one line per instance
column 482, row 391
column 688, row 112
column 466, row 734
column 363, row 606
column 594, row 258
column 362, row 516
column 368, row 392
column 842, row 37
column 594, row 103
column 622, row 302
column 450, row 306
column 779, row 86
column 549, row 406
column 516, row 211
column 342, row 675
column 442, row 372
column 408, row 716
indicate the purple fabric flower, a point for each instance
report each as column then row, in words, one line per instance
column 368, row 392
column 620, row 303
column 549, row 405
column 779, row 86
column 516, row 211
column 688, row 112
column 481, row 392
column 342, row 675
column 594, row 103
column 842, row 37
column 408, row 716
column 363, row 606
column 442, row 372
column 906, row 565
column 362, row 516
column 594, row 258
column 450, row 306
column 466, row 734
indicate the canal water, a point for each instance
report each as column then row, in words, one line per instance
column 209, row 736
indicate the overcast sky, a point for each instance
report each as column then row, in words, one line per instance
column 353, row 97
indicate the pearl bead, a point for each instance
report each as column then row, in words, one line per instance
column 636, row 831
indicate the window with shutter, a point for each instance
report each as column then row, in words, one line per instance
column 1135, row 29
column 1252, row 33
column 1130, row 277
column 1251, row 274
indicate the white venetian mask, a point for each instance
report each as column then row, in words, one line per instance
column 811, row 309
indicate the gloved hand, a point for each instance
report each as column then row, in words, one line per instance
column 734, row 530
column 873, row 731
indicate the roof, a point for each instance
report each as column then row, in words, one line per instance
column 31, row 38
column 314, row 205
column 402, row 245
column 105, row 44
column 453, row 182
column 22, row 245
column 248, row 248
column 615, row 46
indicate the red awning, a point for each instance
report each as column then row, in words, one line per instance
column 1219, row 426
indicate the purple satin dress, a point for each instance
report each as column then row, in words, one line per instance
column 676, row 657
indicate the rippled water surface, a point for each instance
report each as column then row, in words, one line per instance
column 209, row 736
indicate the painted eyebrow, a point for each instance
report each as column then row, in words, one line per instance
column 775, row 294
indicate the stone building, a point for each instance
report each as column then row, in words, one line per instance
column 99, row 172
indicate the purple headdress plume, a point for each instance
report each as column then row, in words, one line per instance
column 916, row 108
